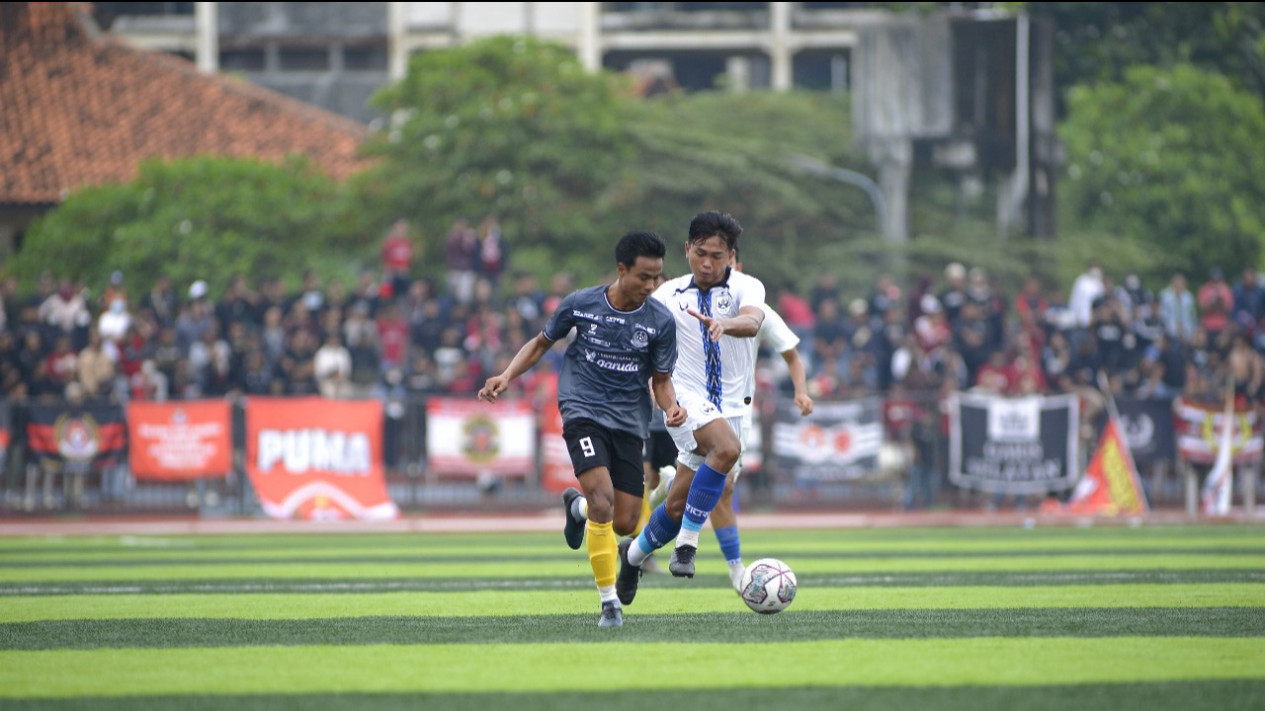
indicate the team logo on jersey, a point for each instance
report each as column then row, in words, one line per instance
column 724, row 302
column 640, row 339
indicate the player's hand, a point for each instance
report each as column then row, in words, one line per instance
column 494, row 387
column 804, row 403
column 715, row 329
column 674, row 416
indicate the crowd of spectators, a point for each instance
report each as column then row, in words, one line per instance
column 964, row 333
column 391, row 335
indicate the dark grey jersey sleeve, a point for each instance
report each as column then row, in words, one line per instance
column 562, row 320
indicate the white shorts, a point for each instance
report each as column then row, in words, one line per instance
column 699, row 412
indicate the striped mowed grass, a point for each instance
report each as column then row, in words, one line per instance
column 1105, row 617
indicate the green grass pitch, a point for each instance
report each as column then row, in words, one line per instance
column 1107, row 617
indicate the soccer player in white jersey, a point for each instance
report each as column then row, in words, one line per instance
column 718, row 313
column 775, row 334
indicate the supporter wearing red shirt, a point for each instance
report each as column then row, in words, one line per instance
column 995, row 376
column 1215, row 299
column 393, row 336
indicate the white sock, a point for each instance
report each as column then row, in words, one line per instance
column 636, row 556
column 687, row 538
column 608, row 594
column 736, row 569
column 580, row 508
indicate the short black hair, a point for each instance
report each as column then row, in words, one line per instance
column 711, row 223
column 639, row 244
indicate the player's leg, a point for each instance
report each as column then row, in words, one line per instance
column 662, row 527
column 575, row 509
column 720, row 441
column 590, row 447
column 665, row 519
column 725, row 525
column 628, row 482
column 725, row 516
column 651, row 477
column 664, row 463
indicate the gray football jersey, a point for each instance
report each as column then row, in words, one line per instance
column 606, row 370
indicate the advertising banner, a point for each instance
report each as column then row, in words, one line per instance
column 318, row 459
column 175, row 441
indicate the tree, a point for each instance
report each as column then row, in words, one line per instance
column 508, row 126
column 196, row 218
column 1165, row 158
column 569, row 160
column 1099, row 41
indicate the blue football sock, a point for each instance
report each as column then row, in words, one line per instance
column 658, row 531
column 729, row 544
column 705, row 492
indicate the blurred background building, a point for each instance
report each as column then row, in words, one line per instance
column 968, row 87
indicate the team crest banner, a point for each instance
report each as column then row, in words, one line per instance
column 1013, row 445
column 839, row 441
column 179, row 441
column 80, row 437
column 318, row 459
column 470, row 437
column 1199, row 428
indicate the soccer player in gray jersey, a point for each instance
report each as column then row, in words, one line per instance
column 623, row 340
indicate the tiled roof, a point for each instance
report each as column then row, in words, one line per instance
column 78, row 110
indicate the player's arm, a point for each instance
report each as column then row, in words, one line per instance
column 745, row 325
column 799, row 379
column 527, row 356
column 665, row 397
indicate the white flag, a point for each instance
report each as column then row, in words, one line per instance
column 1216, row 492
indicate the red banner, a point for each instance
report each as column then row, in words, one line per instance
column 1110, row 486
column 557, row 473
column 318, row 459
column 179, row 441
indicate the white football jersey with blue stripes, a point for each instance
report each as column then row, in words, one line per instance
column 722, row 372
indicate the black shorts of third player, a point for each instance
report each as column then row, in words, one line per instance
column 592, row 445
column 660, row 450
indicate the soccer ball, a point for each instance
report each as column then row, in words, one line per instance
column 768, row 586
